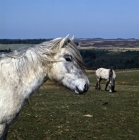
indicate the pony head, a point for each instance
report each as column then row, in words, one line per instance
column 112, row 85
column 67, row 67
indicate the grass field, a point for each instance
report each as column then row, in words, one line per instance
column 14, row 46
column 56, row 113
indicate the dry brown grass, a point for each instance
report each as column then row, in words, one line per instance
column 115, row 49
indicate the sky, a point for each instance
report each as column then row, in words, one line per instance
column 31, row 19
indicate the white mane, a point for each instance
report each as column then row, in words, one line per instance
column 31, row 57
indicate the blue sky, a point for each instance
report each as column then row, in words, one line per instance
column 26, row 19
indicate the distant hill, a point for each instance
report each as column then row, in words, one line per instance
column 89, row 42
column 98, row 42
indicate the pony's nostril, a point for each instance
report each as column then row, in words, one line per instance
column 85, row 87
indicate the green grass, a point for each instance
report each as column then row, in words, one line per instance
column 55, row 113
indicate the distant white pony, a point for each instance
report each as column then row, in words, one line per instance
column 108, row 75
column 24, row 71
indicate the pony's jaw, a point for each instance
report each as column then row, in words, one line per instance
column 79, row 86
column 72, row 82
column 110, row 90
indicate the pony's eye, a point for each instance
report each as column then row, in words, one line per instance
column 68, row 58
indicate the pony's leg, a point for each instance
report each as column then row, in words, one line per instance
column 96, row 87
column 107, row 82
column 98, row 84
column 114, row 88
column 99, row 87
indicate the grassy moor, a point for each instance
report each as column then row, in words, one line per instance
column 56, row 113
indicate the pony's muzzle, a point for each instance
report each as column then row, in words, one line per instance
column 85, row 89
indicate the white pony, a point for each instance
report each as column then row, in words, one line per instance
column 108, row 75
column 24, row 71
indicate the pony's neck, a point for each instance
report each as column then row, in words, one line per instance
column 33, row 78
column 34, row 81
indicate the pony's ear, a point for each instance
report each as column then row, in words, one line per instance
column 72, row 39
column 64, row 41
